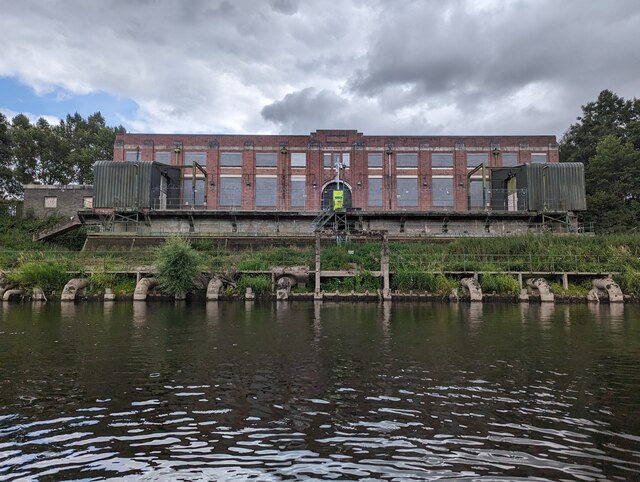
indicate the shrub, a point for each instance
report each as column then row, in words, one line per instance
column 260, row 284
column 48, row 275
column 177, row 265
column 502, row 284
column 629, row 282
column 124, row 286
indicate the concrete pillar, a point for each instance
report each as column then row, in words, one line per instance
column 565, row 281
column 384, row 268
column 317, row 294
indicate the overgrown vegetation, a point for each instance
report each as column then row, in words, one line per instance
column 177, row 266
column 420, row 281
column 259, row 284
column 360, row 283
column 46, row 274
column 502, row 284
column 574, row 289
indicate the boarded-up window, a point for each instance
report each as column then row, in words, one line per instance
column 326, row 160
column 539, row 157
column 442, row 192
column 298, row 159
column 266, row 159
column 375, row 192
column 298, row 192
column 231, row 159
column 230, row 191
column 163, row 157
column 87, row 202
column 509, row 159
column 442, row 159
column 266, row 192
column 50, row 202
column 191, row 198
column 191, row 157
column 132, row 156
column 476, row 158
column 346, row 160
column 407, row 159
column 407, row 192
column 374, row 159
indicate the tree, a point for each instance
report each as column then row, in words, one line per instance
column 608, row 115
column 9, row 186
column 613, row 185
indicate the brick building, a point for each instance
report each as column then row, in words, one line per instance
column 299, row 173
column 43, row 201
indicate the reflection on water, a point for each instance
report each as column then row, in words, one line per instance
column 222, row 391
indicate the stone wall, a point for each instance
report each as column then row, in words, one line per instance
column 43, row 201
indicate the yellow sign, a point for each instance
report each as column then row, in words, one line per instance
column 338, row 199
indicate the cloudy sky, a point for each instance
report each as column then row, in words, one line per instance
column 422, row 67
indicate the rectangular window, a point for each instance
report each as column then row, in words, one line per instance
column 475, row 194
column 298, row 192
column 266, row 159
column 407, row 192
column 298, row 159
column 477, row 158
column 326, row 160
column 442, row 192
column 374, row 159
column 409, row 159
column 375, row 192
column 132, row 156
column 230, row 191
column 189, row 197
column 163, row 157
column 191, row 157
column 87, row 202
column 509, row 159
column 538, row 157
column 266, row 192
column 50, row 202
column 346, row 160
column 442, row 159
column 231, row 159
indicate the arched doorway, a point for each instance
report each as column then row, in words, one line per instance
column 327, row 195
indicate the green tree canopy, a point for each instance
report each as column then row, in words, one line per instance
column 43, row 153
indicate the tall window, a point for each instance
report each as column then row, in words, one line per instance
column 298, row 159
column 475, row 194
column 266, row 159
column 442, row 159
column 190, row 197
column 230, row 191
column 442, row 192
column 193, row 156
column 163, row 157
column 266, row 191
column 474, row 159
column 538, row 157
column 231, row 159
column 298, row 191
column 407, row 192
column 375, row 192
column 509, row 159
column 374, row 159
column 407, row 159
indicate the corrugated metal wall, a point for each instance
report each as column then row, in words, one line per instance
column 132, row 185
column 556, row 187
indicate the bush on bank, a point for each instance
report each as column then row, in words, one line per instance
column 177, row 266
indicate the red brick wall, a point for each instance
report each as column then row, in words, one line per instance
column 351, row 141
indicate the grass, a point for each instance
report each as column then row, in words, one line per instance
column 360, row 283
column 260, row 284
column 46, row 274
column 502, row 284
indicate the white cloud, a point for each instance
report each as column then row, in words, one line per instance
column 473, row 67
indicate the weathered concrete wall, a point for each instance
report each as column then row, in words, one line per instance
column 68, row 199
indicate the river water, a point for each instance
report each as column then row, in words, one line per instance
column 304, row 391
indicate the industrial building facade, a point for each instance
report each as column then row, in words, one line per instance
column 300, row 173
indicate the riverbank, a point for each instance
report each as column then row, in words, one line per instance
column 500, row 265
